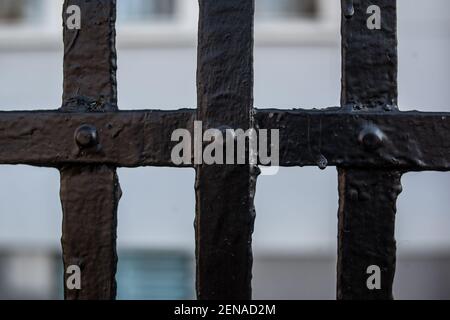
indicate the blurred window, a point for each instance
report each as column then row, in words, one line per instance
column 286, row 9
column 146, row 10
column 20, row 11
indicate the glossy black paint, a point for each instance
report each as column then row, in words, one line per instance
column 224, row 193
column 370, row 141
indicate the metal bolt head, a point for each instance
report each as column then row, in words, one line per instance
column 86, row 136
column 371, row 137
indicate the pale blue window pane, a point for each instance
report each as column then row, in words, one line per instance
column 21, row 11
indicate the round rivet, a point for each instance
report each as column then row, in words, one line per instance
column 86, row 136
column 371, row 137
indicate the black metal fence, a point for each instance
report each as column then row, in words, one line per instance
column 368, row 139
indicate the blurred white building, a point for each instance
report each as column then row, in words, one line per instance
column 297, row 64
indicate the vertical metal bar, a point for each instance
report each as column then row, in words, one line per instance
column 90, row 194
column 224, row 193
column 367, row 204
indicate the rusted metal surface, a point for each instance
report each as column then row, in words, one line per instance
column 224, row 193
column 90, row 193
column 367, row 198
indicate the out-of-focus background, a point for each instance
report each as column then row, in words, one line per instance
column 297, row 64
